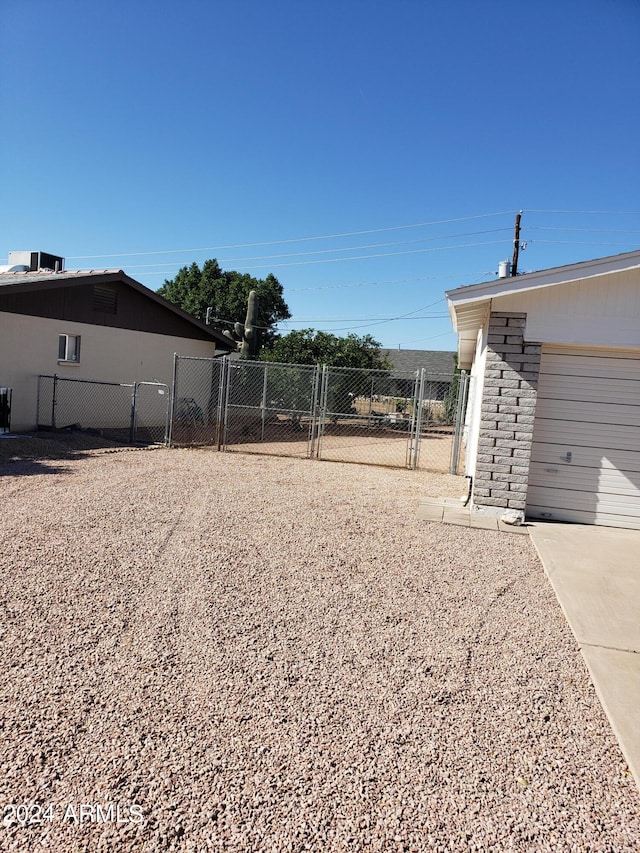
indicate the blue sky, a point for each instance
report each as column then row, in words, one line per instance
column 147, row 135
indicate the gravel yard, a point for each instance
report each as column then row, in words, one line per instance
column 206, row 651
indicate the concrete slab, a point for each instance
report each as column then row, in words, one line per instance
column 483, row 522
column 430, row 512
column 455, row 515
column 595, row 572
column 616, row 677
column 451, row 511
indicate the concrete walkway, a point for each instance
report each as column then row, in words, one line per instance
column 595, row 572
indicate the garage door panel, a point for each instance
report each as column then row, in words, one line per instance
column 590, row 366
column 589, row 457
column 605, row 482
column 582, row 517
column 608, row 391
column 568, row 435
column 587, row 501
column 588, row 405
column 589, row 412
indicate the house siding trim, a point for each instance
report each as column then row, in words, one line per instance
column 507, row 415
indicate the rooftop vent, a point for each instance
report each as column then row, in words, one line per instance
column 35, row 261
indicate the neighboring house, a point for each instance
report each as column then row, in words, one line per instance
column 553, row 422
column 439, row 367
column 89, row 324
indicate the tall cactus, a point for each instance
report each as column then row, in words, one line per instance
column 247, row 335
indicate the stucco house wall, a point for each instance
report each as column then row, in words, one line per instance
column 29, row 347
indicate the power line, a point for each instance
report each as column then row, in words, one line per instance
column 390, row 281
column 359, row 257
column 419, row 340
column 590, row 212
column 375, row 321
column 292, row 239
column 345, row 249
column 582, row 230
column 580, row 242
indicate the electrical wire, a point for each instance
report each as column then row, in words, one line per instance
column 390, row 281
column 419, row 340
column 345, row 249
column 293, row 239
column 582, row 230
column 376, row 320
column 590, row 212
column 579, row 242
column 358, row 257
column 376, row 255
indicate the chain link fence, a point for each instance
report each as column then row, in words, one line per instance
column 376, row 417
column 136, row 413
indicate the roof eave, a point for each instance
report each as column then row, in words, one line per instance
column 112, row 276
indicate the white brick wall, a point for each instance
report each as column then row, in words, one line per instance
column 507, row 414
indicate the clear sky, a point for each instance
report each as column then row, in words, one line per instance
column 400, row 137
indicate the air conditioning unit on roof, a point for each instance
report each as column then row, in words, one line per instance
column 35, row 261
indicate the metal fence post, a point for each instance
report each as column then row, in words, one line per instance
column 264, row 400
column 221, row 406
column 227, row 391
column 418, row 420
column 132, row 428
column 172, row 404
column 461, row 405
column 38, row 403
column 322, row 414
column 53, row 401
column 315, row 404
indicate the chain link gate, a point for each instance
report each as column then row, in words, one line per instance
column 368, row 416
column 376, row 417
column 270, row 408
column 150, row 413
column 130, row 412
column 197, row 401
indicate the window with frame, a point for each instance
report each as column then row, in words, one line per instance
column 69, row 348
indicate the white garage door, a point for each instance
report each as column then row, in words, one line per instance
column 585, row 460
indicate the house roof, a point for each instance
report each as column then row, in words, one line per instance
column 433, row 361
column 469, row 306
column 44, row 280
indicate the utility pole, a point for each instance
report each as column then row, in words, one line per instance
column 516, row 245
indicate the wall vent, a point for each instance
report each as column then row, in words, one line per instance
column 105, row 299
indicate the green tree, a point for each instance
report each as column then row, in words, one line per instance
column 227, row 292
column 307, row 346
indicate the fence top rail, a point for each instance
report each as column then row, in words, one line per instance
column 200, row 357
column 245, row 362
column 392, row 374
column 85, row 381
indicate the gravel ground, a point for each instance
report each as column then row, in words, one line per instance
column 206, row 651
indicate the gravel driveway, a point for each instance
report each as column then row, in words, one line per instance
column 206, row 651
